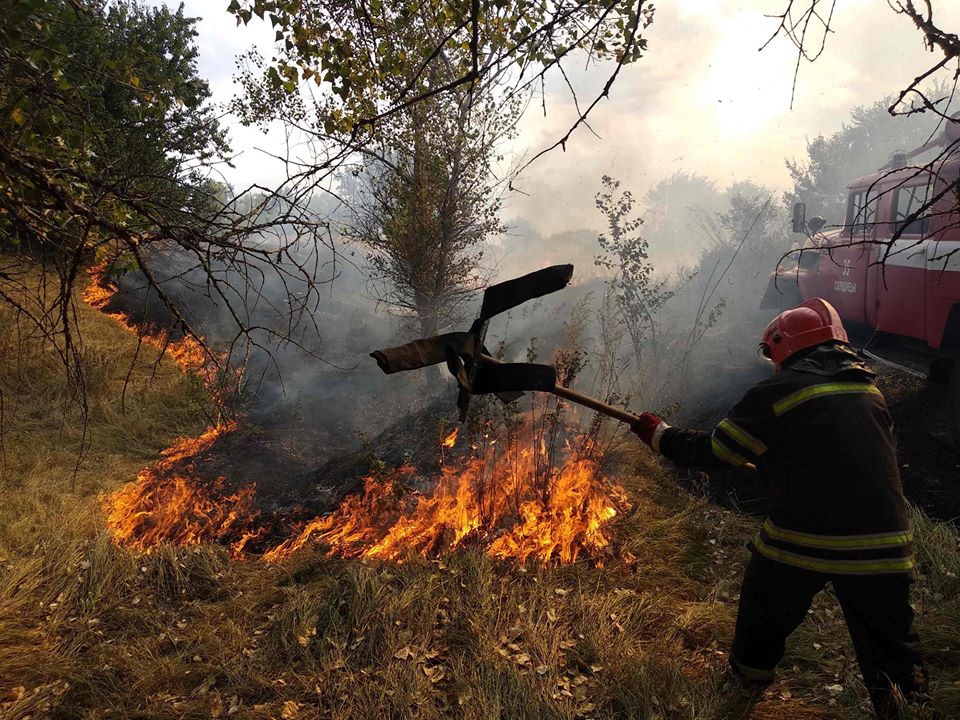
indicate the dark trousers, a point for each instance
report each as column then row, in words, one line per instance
column 775, row 597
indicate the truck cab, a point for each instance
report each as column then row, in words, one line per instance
column 892, row 269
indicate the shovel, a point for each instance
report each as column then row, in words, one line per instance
column 476, row 371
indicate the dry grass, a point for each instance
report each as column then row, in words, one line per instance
column 88, row 630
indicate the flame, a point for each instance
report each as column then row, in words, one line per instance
column 188, row 353
column 523, row 501
column 510, row 505
column 167, row 503
column 514, row 504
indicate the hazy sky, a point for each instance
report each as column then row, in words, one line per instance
column 702, row 99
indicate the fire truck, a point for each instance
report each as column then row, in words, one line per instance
column 900, row 297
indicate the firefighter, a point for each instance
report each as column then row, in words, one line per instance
column 819, row 432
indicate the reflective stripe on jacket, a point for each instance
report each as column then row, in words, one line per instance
column 820, row 434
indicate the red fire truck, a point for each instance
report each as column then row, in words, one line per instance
column 902, row 296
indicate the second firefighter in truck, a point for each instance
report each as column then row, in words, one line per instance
column 819, row 433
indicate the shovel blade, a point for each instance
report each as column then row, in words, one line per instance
column 512, row 377
column 510, row 293
column 420, row 353
column 497, row 299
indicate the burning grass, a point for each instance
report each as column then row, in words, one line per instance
column 189, row 353
column 516, row 506
column 515, row 503
column 167, row 504
column 531, row 500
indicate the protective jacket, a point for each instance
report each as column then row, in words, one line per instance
column 820, row 434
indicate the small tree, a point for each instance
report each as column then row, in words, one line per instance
column 638, row 293
column 426, row 203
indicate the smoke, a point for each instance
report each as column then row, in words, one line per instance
column 306, row 373
column 313, row 394
column 704, row 100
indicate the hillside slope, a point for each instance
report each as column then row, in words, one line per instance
column 88, row 629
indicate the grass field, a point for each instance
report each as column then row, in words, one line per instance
column 89, row 630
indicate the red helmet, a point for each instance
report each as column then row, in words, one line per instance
column 811, row 323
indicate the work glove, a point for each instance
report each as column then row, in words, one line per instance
column 645, row 426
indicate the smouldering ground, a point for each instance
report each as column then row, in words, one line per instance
column 88, row 630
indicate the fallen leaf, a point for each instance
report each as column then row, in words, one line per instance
column 290, row 710
column 435, row 673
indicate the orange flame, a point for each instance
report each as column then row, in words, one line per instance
column 451, row 439
column 167, row 504
column 515, row 505
column 515, row 502
column 188, row 352
column 507, row 505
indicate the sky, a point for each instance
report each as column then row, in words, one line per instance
column 704, row 98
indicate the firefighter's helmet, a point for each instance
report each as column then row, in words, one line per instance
column 811, row 323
